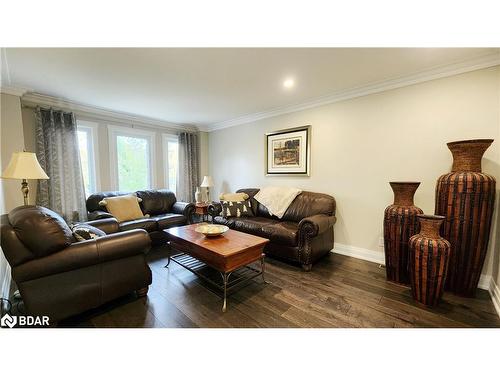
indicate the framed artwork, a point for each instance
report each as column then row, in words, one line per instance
column 288, row 152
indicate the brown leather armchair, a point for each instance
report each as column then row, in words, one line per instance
column 303, row 235
column 60, row 277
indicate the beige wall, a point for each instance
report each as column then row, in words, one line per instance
column 103, row 160
column 12, row 140
column 360, row 144
column 495, row 257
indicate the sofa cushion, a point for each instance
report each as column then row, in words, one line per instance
column 94, row 199
column 233, row 197
column 310, row 204
column 41, row 230
column 277, row 199
column 251, row 193
column 236, row 209
column 169, row 220
column 304, row 205
column 124, row 208
column 14, row 250
column 252, row 225
column 156, row 202
column 148, row 224
column 284, row 232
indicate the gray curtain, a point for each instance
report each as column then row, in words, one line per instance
column 58, row 154
column 4, row 276
column 189, row 168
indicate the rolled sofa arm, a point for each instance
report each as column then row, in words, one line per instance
column 316, row 224
column 123, row 245
column 184, row 208
column 96, row 215
column 214, row 209
column 85, row 254
column 109, row 225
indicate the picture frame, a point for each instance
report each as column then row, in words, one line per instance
column 288, row 152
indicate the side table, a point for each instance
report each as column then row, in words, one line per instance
column 201, row 209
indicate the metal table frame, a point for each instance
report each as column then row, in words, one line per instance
column 243, row 274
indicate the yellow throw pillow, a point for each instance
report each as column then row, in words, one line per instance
column 124, row 207
column 233, row 197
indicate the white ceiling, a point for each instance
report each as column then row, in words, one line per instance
column 209, row 86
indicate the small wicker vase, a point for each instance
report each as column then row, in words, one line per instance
column 429, row 258
column 466, row 197
column 400, row 223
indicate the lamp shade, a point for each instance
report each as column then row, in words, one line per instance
column 207, row 182
column 24, row 165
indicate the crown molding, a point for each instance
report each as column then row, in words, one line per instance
column 90, row 111
column 12, row 90
column 204, row 128
column 482, row 62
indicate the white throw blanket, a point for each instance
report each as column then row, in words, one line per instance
column 277, row 199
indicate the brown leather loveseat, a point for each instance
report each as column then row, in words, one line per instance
column 160, row 205
column 60, row 277
column 303, row 235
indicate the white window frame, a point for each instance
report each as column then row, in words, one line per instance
column 113, row 132
column 165, row 139
column 91, row 128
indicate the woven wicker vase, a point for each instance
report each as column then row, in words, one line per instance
column 429, row 258
column 466, row 198
column 400, row 223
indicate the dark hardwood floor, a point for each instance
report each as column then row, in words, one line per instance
column 339, row 292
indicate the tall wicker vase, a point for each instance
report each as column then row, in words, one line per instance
column 466, row 198
column 400, row 223
column 429, row 258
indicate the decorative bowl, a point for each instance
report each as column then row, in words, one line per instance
column 211, row 230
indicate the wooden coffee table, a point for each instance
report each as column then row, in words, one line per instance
column 230, row 254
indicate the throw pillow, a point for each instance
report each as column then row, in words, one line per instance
column 233, row 197
column 84, row 232
column 103, row 203
column 236, row 209
column 124, row 207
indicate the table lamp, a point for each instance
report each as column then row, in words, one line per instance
column 207, row 183
column 24, row 166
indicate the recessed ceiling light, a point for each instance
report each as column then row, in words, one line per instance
column 288, row 83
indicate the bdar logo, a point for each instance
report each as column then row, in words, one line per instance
column 8, row 321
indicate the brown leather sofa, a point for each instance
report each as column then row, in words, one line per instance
column 303, row 235
column 161, row 205
column 60, row 277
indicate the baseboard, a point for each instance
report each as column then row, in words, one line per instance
column 379, row 257
column 360, row 253
column 495, row 295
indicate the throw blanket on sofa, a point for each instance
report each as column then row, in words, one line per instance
column 277, row 199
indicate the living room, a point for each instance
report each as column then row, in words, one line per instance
column 180, row 186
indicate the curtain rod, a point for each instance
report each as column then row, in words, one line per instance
column 117, row 120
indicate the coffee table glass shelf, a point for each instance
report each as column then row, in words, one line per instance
column 230, row 255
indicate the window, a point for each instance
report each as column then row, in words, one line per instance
column 171, row 158
column 132, row 153
column 86, row 135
